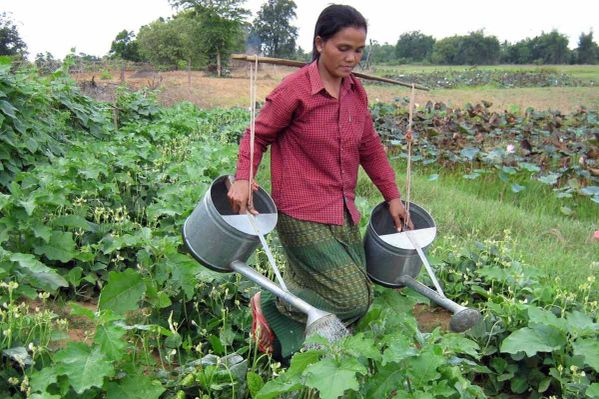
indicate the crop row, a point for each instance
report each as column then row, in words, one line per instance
column 95, row 227
column 472, row 77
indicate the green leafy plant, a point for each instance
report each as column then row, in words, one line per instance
column 520, row 149
column 105, row 74
column 536, row 338
column 27, row 333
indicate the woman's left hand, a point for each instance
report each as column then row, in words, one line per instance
column 399, row 214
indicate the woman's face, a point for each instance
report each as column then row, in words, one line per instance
column 342, row 52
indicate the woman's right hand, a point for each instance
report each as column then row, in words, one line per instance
column 238, row 196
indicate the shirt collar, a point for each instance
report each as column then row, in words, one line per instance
column 316, row 82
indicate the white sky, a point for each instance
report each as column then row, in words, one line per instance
column 91, row 25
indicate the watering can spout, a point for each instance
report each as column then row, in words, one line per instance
column 318, row 321
column 222, row 240
column 393, row 260
column 463, row 318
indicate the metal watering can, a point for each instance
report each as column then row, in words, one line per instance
column 223, row 241
column 394, row 259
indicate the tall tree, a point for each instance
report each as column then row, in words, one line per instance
column 550, row 48
column 46, row 63
column 414, row 46
column 517, row 53
column 125, row 46
column 587, row 51
column 445, row 51
column 220, row 23
column 10, row 40
column 478, row 49
column 472, row 49
column 378, row 53
column 161, row 43
column 273, row 27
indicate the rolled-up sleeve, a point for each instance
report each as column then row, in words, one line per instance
column 374, row 161
column 274, row 117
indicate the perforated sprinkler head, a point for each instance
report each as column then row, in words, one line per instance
column 464, row 320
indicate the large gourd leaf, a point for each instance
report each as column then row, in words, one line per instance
column 183, row 272
column 533, row 340
column 589, row 350
column 43, row 276
column 61, row 247
column 593, row 390
column 134, row 387
column 122, row 292
column 333, row 379
column 85, row 367
column 42, row 379
column 109, row 338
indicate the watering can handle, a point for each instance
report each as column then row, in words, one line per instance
column 229, row 180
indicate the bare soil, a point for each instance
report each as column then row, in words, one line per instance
column 80, row 329
column 429, row 317
column 207, row 91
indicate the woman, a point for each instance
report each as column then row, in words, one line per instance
column 320, row 130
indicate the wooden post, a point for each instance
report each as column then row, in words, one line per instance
column 123, row 72
column 189, row 74
column 115, row 114
column 368, row 55
column 218, row 70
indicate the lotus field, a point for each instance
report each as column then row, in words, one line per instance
column 99, row 299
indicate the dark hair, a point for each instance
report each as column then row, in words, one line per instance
column 333, row 19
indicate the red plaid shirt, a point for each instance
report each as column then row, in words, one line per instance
column 317, row 143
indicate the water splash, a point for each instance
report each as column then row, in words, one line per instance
column 328, row 327
column 266, row 248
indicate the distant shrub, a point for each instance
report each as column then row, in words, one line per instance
column 105, row 74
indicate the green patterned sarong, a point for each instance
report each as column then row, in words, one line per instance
column 326, row 268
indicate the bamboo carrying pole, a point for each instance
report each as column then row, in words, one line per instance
column 299, row 64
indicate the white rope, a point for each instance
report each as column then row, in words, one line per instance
column 253, row 90
column 409, row 138
column 409, row 165
column 253, row 80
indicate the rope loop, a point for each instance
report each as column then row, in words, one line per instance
column 409, row 138
column 253, row 84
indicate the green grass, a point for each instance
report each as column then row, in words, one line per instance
column 584, row 72
column 467, row 211
column 565, row 99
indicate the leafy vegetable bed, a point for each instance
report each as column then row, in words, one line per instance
column 99, row 221
column 561, row 151
column 450, row 79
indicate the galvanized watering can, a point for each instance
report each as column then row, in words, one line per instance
column 223, row 241
column 216, row 236
column 394, row 259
